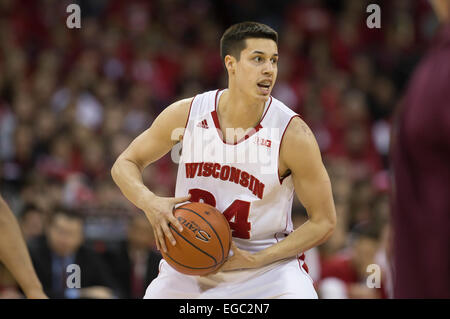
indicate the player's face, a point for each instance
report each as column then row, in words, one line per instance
column 256, row 70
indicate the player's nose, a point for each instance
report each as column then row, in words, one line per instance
column 268, row 68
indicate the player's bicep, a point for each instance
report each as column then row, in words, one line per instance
column 165, row 131
column 311, row 181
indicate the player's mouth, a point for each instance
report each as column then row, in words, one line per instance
column 264, row 86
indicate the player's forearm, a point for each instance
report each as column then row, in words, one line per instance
column 310, row 234
column 14, row 253
column 128, row 177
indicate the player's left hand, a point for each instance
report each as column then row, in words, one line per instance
column 241, row 259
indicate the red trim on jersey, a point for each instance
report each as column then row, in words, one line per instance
column 189, row 113
column 219, row 130
column 301, row 257
column 279, row 149
column 304, row 266
column 215, row 119
column 215, row 99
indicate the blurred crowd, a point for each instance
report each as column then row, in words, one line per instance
column 71, row 100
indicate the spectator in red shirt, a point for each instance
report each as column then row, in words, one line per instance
column 348, row 269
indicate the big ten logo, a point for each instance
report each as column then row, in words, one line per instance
column 374, row 19
column 74, row 276
column 374, row 279
column 74, row 19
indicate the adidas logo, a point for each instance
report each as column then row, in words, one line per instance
column 203, row 124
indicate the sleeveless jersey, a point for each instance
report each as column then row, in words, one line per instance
column 240, row 179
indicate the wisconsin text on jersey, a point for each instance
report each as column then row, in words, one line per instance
column 226, row 173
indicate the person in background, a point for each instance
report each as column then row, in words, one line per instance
column 420, row 155
column 61, row 246
column 345, row 274
column 31, row 222
column 135, row 262
column 15, row 256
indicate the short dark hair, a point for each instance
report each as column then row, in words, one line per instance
column 28, row 208
column 233, row 39
column 67, row 212
column 367, row 230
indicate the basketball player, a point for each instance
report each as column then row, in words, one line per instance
column 15, row 256
column 420, row 158
column 255, row 196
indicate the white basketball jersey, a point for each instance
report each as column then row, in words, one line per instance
column 241, row 180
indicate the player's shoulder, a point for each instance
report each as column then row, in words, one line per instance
column 279, row 107
column 208, row 94
column 180, row 111
column 205, row 97
column 181, row 104
column 278, row 115
column 204, row 103
column 175, row 115
column 299, row 141
column 298, row 135
column 294, row 125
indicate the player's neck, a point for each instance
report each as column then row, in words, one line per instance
column 238, row 110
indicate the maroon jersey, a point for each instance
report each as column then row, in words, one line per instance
column 421, row 171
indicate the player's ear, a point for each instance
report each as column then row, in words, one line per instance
column 230, row 63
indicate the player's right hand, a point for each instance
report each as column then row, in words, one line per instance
column 160, row 214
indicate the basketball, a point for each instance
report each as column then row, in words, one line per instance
column 203, row 245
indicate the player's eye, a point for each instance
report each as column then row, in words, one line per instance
column 274, row 60
column 257, row 59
